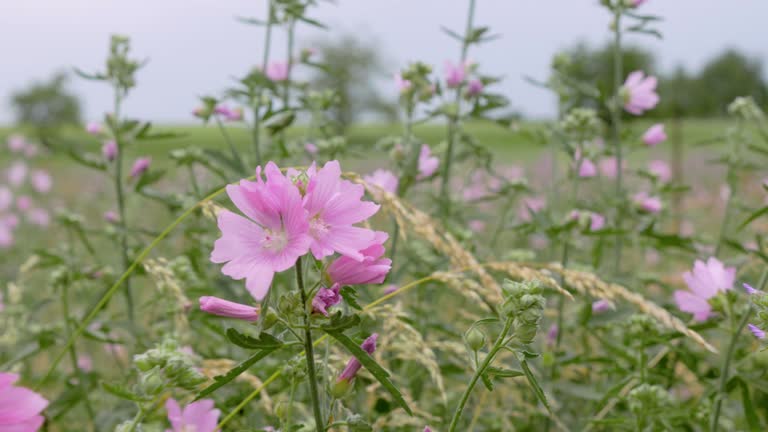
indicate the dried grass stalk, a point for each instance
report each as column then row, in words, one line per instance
column 589, row 284
column 215, row 367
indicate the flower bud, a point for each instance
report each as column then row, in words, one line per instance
column 152, row 383
column 340, row 388
column 475, row 338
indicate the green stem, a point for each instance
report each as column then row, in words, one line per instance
column 123, row 234
column 453, row 121
column 73, row 352
column 309, row 351
column 478, row 373
column 412, row 147
column 714, row 425
column 235, row 154
column 616, row 123
column 255, row 132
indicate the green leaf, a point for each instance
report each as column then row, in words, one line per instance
column 264, row 341
column 251, row 21
column 754, row 216
column 339, row 323
column 350, row 296
column 149, row 178
column 537, row 390
column 122, row 392
column 93, row 77
column 313, row 22
column 503, row 372
column 749, row 409
column 236, row 371
column 378, row 372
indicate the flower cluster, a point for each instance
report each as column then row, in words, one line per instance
column 290, row 216
column 21, row 191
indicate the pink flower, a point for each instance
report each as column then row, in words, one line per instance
column 6, row 237
column 334, row 206
column 16, row 143
column 30, row 151
column 20, row 407
column 403, row 85
column 271, row 239
column 277, row 71
column 608, row 167
column 6, row 198
column 23, row 203
column 660, row 169
column 235, row 114
column 552, row 333
column 310, row 148
column 111, row 216
column 454, row 74
column 654, row 135
column 474, row 87
column 10, row 220
column 760, row 334
column 639, row 93
column 587, row 169
column 530, row 206
column 226, row 308
column 636, row 3
column 601, row 306
column 650, row 204
column 39, row 217
column 597, row 221
column 109, row 150
column 41, row 181
column 372, row 269
column 140, row 166
column 389, row 289
column 384, row 179
column 325, row 298
column 705, row 281
column 94, row 128
column 748, row 288
column 17, row 173
column 349, row 372
column 427, row 163
column 200, row 416
column 476, row 225
column 84, row 363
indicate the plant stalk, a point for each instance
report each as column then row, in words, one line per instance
column 479, row 372
column 309, row 351
column 453, row 121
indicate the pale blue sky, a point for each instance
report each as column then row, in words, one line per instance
column 194, row 46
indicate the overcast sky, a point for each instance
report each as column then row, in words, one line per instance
column 195, row 46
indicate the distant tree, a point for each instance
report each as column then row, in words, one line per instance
column 679, row 93
column 595, row 66
column 726, row 77
column 47, row 105
column 350, row 63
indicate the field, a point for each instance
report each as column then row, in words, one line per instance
column 261, row 271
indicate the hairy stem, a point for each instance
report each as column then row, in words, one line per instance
column 309, row 352
column 235, row 154
column 714, row 424
column 616, row 123
column 479, row 372
column 119, row 193
column 453, row 121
